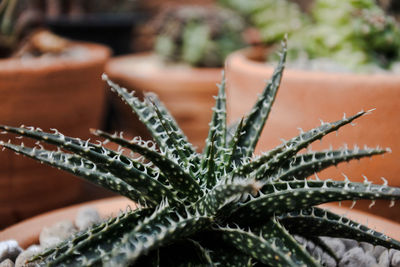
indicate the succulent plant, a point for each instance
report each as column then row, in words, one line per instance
column 221, row 207
column 273, row 19
column 7, row 32
column 21, row 32
column 199, row 36
column 356, row 32
column 355, row 35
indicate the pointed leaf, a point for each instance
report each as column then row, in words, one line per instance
column 148, row 116
column 270, row 161
column 282, row 197
column 306, row 165
column 225, row 192
column 140, row 180
column 230, row 164
column 177, row 177
column 81, row 168
column 175, row 146
column 273, row 230
column 215, row 142
column 319, row 222
column 178, row 133
column 102, row 237
column 210, row 178
column 257, row 247
column 255, row 120
column 154, row 233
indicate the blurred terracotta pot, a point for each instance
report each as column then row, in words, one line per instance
column 187, row 92
column 27, row 232
column 305, row 97
column 65, row 93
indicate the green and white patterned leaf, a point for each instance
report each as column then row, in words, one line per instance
column 255, row 120
column 319, row 222
column 140, row 180
column 282, row 197
column 82, row 168
column 156, row 231
column 91, row 245
column 176, row 175
column 146, row 114
column 216, row 141
column 273, row 230
column 269, row 162
column 256, row 246
column 305, row 165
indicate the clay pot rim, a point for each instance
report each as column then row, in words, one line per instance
column 96, row 53
column 27, row 231
column 250, row 59
column 193, row 74
column 113, row 205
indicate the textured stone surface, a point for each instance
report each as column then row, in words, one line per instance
column 336, row 245
column 367, row 247
column 349, row 243
column 26, row 255
column 378, row 250
column 9, row 249
column 356, row 257
column 395, row 259
column 383, row 259
column 86, row 217
column 7, row 263
column 56, row 233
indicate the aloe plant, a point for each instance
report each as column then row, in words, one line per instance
column 222, row 207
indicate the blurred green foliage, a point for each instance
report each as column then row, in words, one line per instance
column 199, row 36
column 354, row 33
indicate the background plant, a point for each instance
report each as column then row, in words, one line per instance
column 199, row 36
column 222, row 206
column 21, row 33
column 273, row 19
column 356, row 34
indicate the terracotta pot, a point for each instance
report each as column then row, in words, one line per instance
column 187, row 92
column 65, row 93
column 27, row 232
column 305, row 97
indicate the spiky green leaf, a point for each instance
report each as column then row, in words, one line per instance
column 281, row 197
column 273, row 230
column 255, row 245
column 319, row 222
column 272, row 160
column 216, row 141
column 176, row 175
column 140, row 180
column 82, row 168
column 155, row 232
column 91, row 244
column 148, row 116
column 226, row 192
column 305, row 165
column 255, row 120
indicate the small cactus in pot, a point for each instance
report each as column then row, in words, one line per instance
column 199, row 36
column 222, row 207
